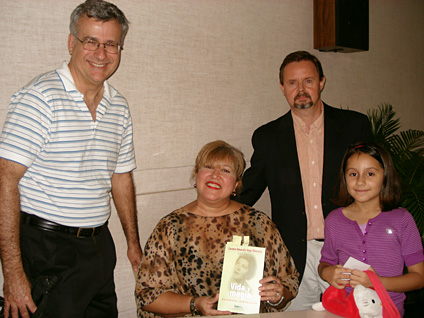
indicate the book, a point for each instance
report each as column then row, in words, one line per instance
column 242, row 269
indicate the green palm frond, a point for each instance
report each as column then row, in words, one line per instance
column 415, row 140
column 383, row 124
column 406, row 144
column 410, row 140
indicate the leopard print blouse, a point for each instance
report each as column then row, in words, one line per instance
column 185, row 253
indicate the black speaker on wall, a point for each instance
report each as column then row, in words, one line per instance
column 341, row 25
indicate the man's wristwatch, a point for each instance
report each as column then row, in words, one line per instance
column 193, row 309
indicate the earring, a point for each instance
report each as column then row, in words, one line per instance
column 195, row 186
column 234, row 193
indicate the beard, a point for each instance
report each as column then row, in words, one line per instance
column 303, row 105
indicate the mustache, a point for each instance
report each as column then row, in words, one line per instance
column 302, row 95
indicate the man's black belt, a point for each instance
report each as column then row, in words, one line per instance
column 46, row 225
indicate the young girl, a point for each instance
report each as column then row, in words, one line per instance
column 371, row 227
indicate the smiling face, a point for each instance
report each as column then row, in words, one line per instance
column 364, row 178
column 91, row 68
column 241, row 268
column 301, row 85
column 216, row 181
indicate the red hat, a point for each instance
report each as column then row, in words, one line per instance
column 338, row 302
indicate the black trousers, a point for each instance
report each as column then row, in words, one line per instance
column 86, row 288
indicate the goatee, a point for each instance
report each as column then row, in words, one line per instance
column 303, row 105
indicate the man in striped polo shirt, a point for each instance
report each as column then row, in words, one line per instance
column 65, row 149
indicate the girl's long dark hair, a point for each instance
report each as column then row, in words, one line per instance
column 390, row 193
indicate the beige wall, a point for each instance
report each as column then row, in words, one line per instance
column 196, row 71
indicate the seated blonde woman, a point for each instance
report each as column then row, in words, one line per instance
column 181, row 269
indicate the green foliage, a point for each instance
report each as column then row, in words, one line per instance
column 407, row 151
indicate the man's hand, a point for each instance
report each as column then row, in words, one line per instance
column 123, row 193
column 135, row 254
column 17, row 288
column 17, row 297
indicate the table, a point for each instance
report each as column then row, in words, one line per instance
column 289, row 314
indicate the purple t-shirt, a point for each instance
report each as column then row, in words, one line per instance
column 390, row 241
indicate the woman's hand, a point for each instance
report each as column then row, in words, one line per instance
column 206, row 306
column 271, row 290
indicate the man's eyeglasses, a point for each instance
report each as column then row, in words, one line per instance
column 90, row 44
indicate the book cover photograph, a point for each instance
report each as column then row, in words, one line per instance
column 242, row 269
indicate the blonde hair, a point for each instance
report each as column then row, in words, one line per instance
column 219, row 150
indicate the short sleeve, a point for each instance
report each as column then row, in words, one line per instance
column 27, row 127
column 411, row 244
column 328, row 251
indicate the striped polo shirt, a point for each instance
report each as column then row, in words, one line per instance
column 69, row 157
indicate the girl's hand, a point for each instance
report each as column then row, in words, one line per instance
column 337, row 276
column 271, row 289
column 206, row 306
column 360, row 278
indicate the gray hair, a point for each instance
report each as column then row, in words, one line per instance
column 100, row 10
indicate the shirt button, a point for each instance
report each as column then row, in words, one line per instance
column 315, row 207
column 315, row 184
column 313, row 162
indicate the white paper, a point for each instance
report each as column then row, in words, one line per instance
column 353, row 263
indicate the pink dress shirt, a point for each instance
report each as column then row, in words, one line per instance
column 310, row 150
